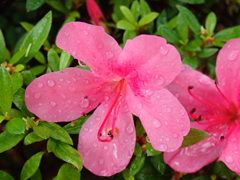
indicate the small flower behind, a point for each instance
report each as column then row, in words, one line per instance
column 215, row 107
column 121, row 82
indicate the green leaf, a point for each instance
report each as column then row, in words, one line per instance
column 139, row 129
column 68, row 172
column 135, row 9
column 27, row 26
column 65, row 60
column 182, row 29
column 145, row 9
column 162, row 18
column 137, row 164
column 169, row 34
column 75, row 126
column 1, row 118
column 158, row 163
column 190, row 19
column 147, row 18
column 57, row 5
column 125, row 25
column 128, row 35
column 68, row 154
column 42, row 132
column 6, row 90
column 40, row 57
column 53, row 60
column 126, row 174
column 191, row 62
column 137, row 150
column 2, row 47
column 128, row 14
column 32, row 138
column 17, row 81
column 31, row 166
column 17, row 56
column 207, row 52
column 210, row 23
column 36, row 37
column 37, row 175
column 57, row 132
column 194, row 136
column 193, row 1
column 151, row 151
column 37, row 70
column 34, row 4
column 28, row 77
column 19, row 68
column 5, row 176
column 16, row 126
column 51, row 145
column 8, row 140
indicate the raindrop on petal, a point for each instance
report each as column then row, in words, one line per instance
column 81, row 63
column 53, row 103
column 50, row 83
column 159, row 80
column 163, row 50
column 203, row 79
column 229, row 159
column 85, row 32
column 40, row 84
column 129, row 129
column 156, row 123
column 100, row 161
column 139, row 106
column 232, row 55
column 37, row 95
column 105, row 147
column 162, row 147
column 84, row 103
column 63, row 96
column 109, row 54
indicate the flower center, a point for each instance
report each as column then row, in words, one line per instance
column 229, row 114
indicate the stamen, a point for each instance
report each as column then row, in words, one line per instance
column 96, row 91
column 222, row 138
column 224, row 97
column 192, row 111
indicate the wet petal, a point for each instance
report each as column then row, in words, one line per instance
column 204, row 89
column 90, row 44
column 231, row 154
column 149, row 62
column 59, row 96
column 107, row 158
column 193, row 158
column 163, row 117
column 228, row 69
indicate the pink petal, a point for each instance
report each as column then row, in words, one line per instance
column 230, row 155
column 163, row 117
column 204, row 89
column 94, row 11
column 193, row 158
column 149, row 62
column 59, row 96
column 228, row 69
column 107, row 158
column 90, row 44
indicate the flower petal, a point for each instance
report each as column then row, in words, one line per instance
column 107, row 158
column 163, row 117
column 228, row 69
column 94, row 12
column 230, row 155
column 204, row 89
column 193, row 158
column 59, row 96
column 149, row 62
column 90, row 44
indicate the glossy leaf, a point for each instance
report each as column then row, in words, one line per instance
column 139, row 128
column 2, row 47
column 2, row 118
column 211, row 23
column 28, row 77
column 27, row 26
column 145, row 9
column 190, row 19
column 57, row 132
column 182, row 28
column 53, row 60
column 207, row 52
column 57, row 5
column 37, row 70
column 16, row 126
column 75, row 126
column 191, row 62
column 147, row 18
column 37, row 175
column 128, row 14
column 126, row 174
column 8, row 140
column 32, row 138
column 65, row 60
column 137, row 164
column 193, row 1
column 42, row 132
column 193, row 137
column 125, row 25
column 151, row 151
column 36, row 37
column 31, row 166
column 158, row 163
column 137, row 150
column 129, row 35
column 169, row 34
column 67, row 171
column 40, row 57
column 17, row 81
column 34, row 4
column 5, row 176
column 135, row 9
column 17, row 56
column 6, row 90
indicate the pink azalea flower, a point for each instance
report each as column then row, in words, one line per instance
column 215, row 106
column 95, row 12
column 121, row 82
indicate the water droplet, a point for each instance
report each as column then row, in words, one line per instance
column 69, row 101
column 169, row 109
column 229, row 159
column 86, row 81
column 63, row 96
column 106, row 98
column 60, row 79
column 95, row 144
column 100, row 161
column 73, row 52
column 37, row 95
column 139, row 106
column 50, row 83
column 203, row 79
column 84, row 103
column 129, row 128
column 72, row 88
column 105, row 147
column 60, row 111
column 81, row 63
column 162, row 147
column 53, row 103
column 166, row 123
column 86, row 129
column 232, row 55
column 167, row 139
column 90, row 130
column 175, row 135
column 109, row 54
column 159, row 80
column 40, row 84
column 98, row 119
column 66, row 33
column 163, row 50
column 85, row 32
column 104, row 172
column 40, row 104
column 156, row 123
